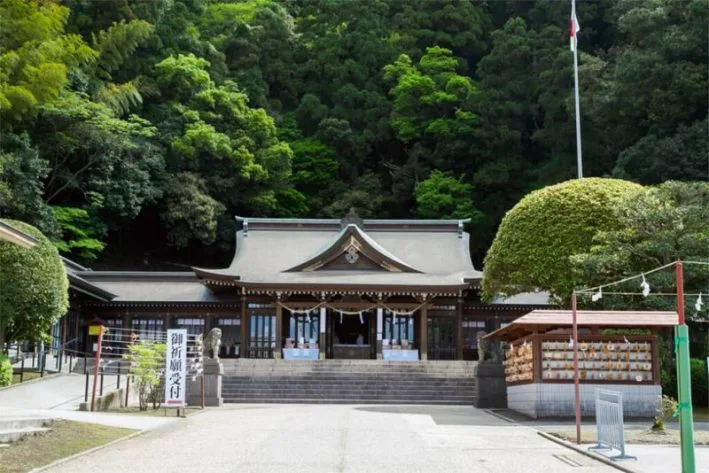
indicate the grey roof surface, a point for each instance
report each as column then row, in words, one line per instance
column 151, row 286
column 263, row 256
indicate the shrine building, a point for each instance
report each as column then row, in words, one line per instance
column 346, row 288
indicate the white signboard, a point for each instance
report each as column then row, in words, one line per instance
column 175, row 368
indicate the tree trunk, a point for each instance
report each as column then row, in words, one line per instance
column 2, row 337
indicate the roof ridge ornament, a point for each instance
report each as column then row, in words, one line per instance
column 352, row 218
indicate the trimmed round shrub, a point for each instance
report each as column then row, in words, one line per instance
column 537, row 237
column 33, row 286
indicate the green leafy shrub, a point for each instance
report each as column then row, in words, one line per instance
column 665, row 410
column 537, row 238
column 34, row 287
column 5, row 371
column 147, row 367
column 700, row 382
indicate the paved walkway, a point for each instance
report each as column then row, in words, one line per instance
column 336, row 438
column 59, row 396
column 651, row 458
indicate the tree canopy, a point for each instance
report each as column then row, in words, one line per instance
column 166, row 118
column 537, row 238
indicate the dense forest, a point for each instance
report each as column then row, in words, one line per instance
column 133, row 131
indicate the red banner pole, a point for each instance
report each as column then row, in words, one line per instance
column 577, row 395
column 96, row 368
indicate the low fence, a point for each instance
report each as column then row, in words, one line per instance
column 609, row 423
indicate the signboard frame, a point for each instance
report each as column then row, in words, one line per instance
column 176, row 368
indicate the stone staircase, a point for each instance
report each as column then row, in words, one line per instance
column 14, row 428
column 349, row 382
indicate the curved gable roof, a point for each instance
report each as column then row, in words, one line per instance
column 353, row 237
column 274, row 252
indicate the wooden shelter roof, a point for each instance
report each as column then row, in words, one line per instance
column 539, row 321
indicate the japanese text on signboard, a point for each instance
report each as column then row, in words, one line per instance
column 175, row 367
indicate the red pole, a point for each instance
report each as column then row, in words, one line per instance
column 679, row 273
column 577, row 395
column 96, row 368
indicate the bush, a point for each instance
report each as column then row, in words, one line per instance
column 35, row 288
column 537, row 238
column 700, row 382
column 665, row 410
column 5, row 371
column 147, row 360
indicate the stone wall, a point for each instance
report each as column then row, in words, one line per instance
column 557, row 400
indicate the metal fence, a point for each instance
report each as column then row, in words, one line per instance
column 609, row 423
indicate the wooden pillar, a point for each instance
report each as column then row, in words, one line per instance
column 424, row 333
column 244, row 321
column 380, row 330
column 322, row 342
column 278, row 329
column 459, row 330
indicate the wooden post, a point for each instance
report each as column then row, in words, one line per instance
column 244, row 343
column 96, row 368
column 322, row 342
column 279, row 316
column 577, row 394
column 424, row 333
column 380, row 331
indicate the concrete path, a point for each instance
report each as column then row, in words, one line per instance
column 662, row 458
column 336, row 438
column 59, row 396
column 64, row 391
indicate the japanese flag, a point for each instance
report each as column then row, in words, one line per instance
column 574, row 28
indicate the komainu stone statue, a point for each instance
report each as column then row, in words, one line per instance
column 212, row 342
column 488, row 350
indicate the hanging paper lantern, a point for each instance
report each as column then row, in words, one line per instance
column 597, row 296
column 645, row 287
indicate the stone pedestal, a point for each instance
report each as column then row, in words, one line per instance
column 492, row 389
column 213, row 372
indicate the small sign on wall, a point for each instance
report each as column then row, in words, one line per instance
column 175, row 367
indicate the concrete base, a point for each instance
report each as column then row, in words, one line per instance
column 112, row 400
column 490, row 382
column 213, row 372
column 557, row 399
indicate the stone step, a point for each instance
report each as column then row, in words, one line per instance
column 345, row 396
column 348, row 379
column 344, row 389
column 13, row 435
column 372, row 372
column 13, row 423
column 401, row 401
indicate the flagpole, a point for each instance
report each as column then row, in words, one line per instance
column 579, row 161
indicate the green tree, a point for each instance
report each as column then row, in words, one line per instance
column 653, row 81
column 432, row 106
column 444, row 196
column 22, row 172
column 537, row 238
column 36, row 55
column 34, row 287
column 147, row 359
column 656, row 227
column 79, row 233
